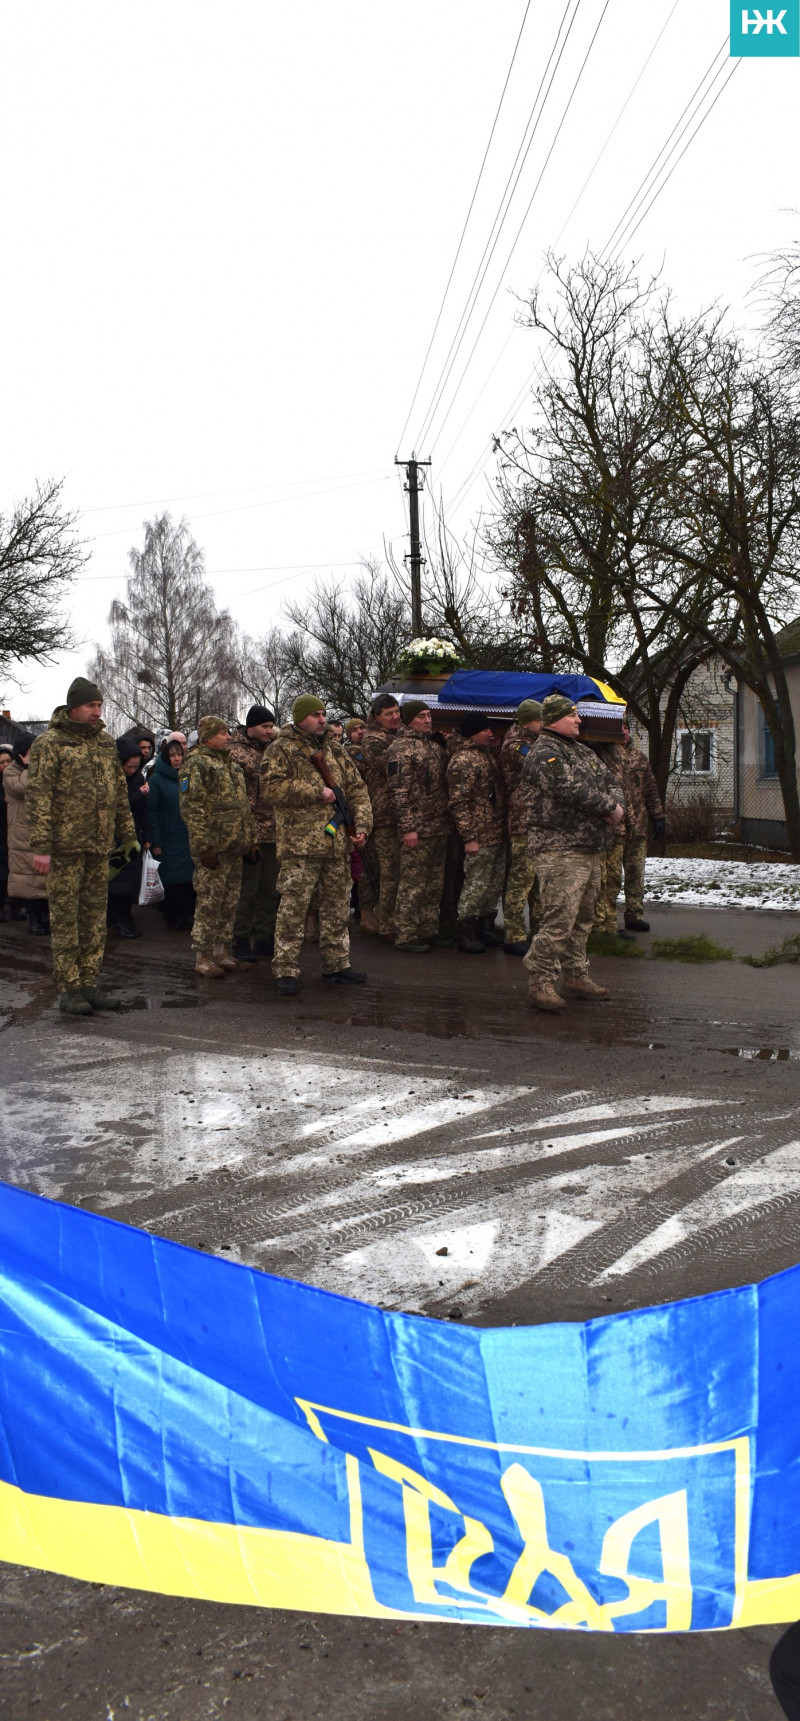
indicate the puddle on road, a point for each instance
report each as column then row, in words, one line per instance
column 152, row 1003
column 765, row 1054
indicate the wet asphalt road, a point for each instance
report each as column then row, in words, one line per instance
column 628, row 1153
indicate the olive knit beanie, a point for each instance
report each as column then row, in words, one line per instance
column 305, row 706
column 82, row 692
column 353, row 723
column 555, row 706
column 411, row 708
column 530, row 711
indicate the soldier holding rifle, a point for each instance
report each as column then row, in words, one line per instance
column 322, row 810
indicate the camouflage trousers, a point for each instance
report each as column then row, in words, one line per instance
column 569, row 881
column 217, row 901
column 77, row 891
column 522, row 886
column 483, row 881
column 258, row 897
column 299, row 877
column 387, row 846
column 419, row 892
column 605, row 913
column 634, row 861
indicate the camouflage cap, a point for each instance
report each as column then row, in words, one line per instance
column 556, row 706
column 209, row 726
column 530, row 711
column 412, row 708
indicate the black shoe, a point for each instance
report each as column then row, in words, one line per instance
column 243, row 950
column 489, row 933
column 99, row 1000
column 347, row 977
column 519, row 948
column 638, row 925
column 468, row 939
column 622, row 933
column 287, row 986
column 265, row 947
column 125, row 929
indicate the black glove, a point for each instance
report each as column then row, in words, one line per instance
column 252, row 856
column 209, row 858
column 659, row 829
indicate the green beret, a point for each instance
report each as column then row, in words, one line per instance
column 556, row 705
column 411, row 708
column 82, row 692
column 209, row 726
column 305, row 706
column 530, row 711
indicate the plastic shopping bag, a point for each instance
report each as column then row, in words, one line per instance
column 151, row 889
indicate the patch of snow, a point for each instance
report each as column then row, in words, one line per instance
column 724, row 883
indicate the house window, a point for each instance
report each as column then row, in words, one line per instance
column 696, row 752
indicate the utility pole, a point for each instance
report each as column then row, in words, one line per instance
column 415, row 557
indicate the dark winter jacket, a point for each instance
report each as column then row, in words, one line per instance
column 126, row 882
column 167, row 829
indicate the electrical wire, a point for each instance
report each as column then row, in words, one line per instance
column 629, row 233
column 271, row 502
column 561, row 123
column 466, row 222
column 506, row 198
column 241, row 490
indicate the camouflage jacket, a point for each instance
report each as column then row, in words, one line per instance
column 416, row 772
column 641, row 791
column 568, row 795
column 477, row 794
column 249, row 753
column 294, row 786
column 513, row 753
column 356, row 754
column 213, row 802
column 374, row 750
column 77, row 799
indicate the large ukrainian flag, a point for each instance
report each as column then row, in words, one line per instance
column 178, row 1423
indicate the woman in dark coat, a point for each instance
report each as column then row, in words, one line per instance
column 170, row 838
column 123, row 890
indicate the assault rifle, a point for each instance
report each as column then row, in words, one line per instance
column 341, row 816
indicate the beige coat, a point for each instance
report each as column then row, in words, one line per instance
column 22, row 880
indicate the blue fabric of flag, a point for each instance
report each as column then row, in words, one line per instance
column 495, row 688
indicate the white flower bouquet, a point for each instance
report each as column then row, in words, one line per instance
column 428, row 657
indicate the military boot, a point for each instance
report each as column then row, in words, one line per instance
column 584, row 988
column 206, row 966
column 489, row 932
column 468, row 939
column 243, row 950
column 74, row 1004
column 100, row 1000
column 224, row 959
column 545, row 997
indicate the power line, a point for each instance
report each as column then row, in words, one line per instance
column 466, row 223
column 241, row 490
column 626, row 240
column 271, row 502
column 506, row 198
column 561, row 123
column 658, row 163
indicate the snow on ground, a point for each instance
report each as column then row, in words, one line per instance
column 723, row 884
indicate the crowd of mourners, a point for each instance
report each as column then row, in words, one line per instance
column 256, row 838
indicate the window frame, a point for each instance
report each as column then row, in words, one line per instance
column 693, row 735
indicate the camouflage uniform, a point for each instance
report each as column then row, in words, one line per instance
column 416, row 773
column 215, row 808
column 569, row 793
column 310, row 855
column 77, row 810
column 258, row 900
column 642, row 799
column 477, row 799
column 521, row 883
column 385, row 842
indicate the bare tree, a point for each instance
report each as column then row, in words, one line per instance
column 172, row 654
column 40, row 555
column 270, row 669
column 583, row 492
column 350, row 639
column 778, row 290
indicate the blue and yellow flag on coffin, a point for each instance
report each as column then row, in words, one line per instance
column 182, row 1424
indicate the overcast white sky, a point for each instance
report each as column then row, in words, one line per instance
column 227, row 231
